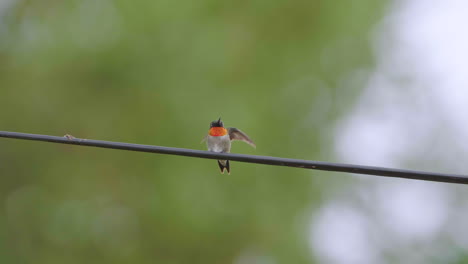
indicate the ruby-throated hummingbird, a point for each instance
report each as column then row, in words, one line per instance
column 219, row 140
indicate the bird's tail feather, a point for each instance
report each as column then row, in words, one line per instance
column 224, row 165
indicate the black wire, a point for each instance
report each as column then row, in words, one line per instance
column 307, row 164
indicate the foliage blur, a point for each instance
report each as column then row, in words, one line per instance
column 157, row 72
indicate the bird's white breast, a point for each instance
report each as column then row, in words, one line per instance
column 219, row 144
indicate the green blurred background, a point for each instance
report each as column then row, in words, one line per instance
column 158, row 72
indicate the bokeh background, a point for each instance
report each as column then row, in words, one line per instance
column 380, row 83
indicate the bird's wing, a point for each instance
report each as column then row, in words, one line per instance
column 204, row 139
column 236, row 134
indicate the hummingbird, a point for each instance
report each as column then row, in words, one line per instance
column 219, row 140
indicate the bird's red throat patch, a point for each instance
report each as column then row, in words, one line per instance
column 217, row 131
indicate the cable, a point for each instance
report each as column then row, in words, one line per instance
column 306, row 164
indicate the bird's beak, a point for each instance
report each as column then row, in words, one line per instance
column 219, row 120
